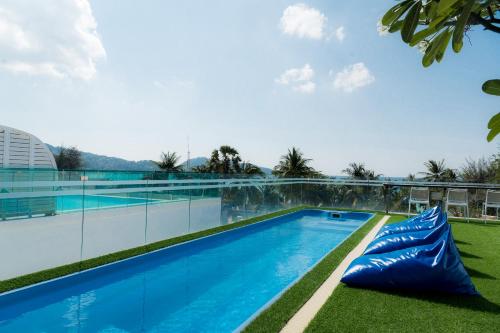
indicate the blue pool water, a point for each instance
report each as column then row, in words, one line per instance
column 214, row 284
column 70, row 203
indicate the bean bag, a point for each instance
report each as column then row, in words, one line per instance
column 430, row 267
column 424, row 216
column 404, row 240
column 429, row 222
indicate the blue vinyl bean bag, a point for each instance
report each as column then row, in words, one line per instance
column 426, row 223
column 429, row 213
column 430, row 267
column 404, row 240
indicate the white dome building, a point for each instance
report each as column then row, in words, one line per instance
column 19, row 149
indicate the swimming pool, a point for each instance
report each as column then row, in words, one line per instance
column 213, row 284
column 71, row 203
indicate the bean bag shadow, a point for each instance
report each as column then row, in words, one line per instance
column 404, row 240
column 425, row 223
column 431, row 267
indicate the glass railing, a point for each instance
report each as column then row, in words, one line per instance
column 50, row 218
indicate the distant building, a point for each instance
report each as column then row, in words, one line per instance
column 19, row 149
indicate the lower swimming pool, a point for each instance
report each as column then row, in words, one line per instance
column 213, row 284
column 71, row 203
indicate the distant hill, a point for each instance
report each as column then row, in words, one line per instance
column 267, row 171
column 101, row 162
column 194, row 162
column 93, row 161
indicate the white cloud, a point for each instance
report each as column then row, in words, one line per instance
column 305, row 73
column 303, row 21
column 340, row 33
column 300, row 79
column 32, row 69
column 353, row 77
column 382, row 30
column 55, row 38
column 11, row 34
column 306, row 88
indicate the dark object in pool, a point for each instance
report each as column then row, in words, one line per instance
column 425, row 266
column 336, row 215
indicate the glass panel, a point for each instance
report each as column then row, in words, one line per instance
column 272, row 199
column 233, row 200
column 114, row 216
column 37, row 224
column 205, row 209
column 43, row 212
column 167, row 213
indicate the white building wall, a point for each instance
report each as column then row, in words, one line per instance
column 19, row 149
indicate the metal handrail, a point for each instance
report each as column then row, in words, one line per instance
column 319, row 181
column 20, row 189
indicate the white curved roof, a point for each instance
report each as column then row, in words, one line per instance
column 19, row 149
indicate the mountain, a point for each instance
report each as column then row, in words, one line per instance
column 267, row 171
column 93, row 161
column 194, row 162
column 101, row 162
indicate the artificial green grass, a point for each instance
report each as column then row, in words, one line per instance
column 274, row 318
column 52, row 273
column 362, row 310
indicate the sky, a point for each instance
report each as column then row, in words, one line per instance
column 134, row 78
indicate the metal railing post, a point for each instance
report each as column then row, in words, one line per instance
column 386, row 201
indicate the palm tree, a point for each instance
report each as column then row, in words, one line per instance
column 170, row 162
column 230, row 160
column 359, row 171
column 355, row 170
column 225, row 160
column 294, row 165
column 250, row 169
column 356, row 194
column 435, row 170
column 450, row 175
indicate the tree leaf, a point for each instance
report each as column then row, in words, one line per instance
column 437, row 21
column 493, row 133
column 431, row 13
column 432, row 49
column 396, row 26
column 421, row 35
column 445, row 4
column 492, row 87
column 494, row 121
column 458, row 34
column 428, row 59
column 395, row 12
column 443, row 44
column 411, row 22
